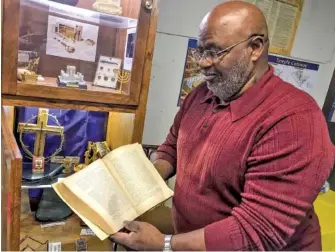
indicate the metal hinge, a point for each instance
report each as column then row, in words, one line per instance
column 148, row 5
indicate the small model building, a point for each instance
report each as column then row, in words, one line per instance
column 71, row 78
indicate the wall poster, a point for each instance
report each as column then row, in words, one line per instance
column 302, row 75
column 192, row 76
column 283, row 18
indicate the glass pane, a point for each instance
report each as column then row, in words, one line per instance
column 78, row 44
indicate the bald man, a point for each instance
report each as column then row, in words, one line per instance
column 250, row 151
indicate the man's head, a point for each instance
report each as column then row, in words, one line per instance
column 242, row 28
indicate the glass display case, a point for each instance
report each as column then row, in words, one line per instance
column 87, row 55
column 76, row 50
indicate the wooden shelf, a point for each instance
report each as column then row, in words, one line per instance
column 49, row 89
column 68, row 234
column 52, row 82
column 27, row 101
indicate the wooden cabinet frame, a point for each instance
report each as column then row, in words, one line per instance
column 126, row 112
column 11, row 171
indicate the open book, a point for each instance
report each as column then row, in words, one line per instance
column 121, row 186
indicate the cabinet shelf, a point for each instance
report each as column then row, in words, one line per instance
column 67, row 234
column 52, row 82
column 70, row 231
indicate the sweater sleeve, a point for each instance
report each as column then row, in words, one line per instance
column 286, row 169
column 168, row 150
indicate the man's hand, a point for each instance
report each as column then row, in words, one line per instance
column 142, row 236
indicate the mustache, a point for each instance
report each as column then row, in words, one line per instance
column 207, row 73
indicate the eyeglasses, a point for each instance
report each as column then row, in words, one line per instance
column 213, row 56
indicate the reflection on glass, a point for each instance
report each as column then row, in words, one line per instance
column 78, row 44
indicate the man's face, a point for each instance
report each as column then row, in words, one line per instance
column 226, row 75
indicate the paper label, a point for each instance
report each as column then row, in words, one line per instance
column 53, row 224
column 87, row 231
column 54, row 246
column 23, row 57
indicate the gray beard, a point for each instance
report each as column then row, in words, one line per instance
column 226, row 86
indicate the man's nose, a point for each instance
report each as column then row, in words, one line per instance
column 204, row 63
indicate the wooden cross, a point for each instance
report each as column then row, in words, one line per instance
column 41, row 129
column 68, row 162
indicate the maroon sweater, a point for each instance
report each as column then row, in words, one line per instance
column 249, row 171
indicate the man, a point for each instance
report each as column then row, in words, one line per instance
column 251, row 152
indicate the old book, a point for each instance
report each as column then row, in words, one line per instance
column 121, row 186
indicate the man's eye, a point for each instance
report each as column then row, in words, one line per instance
column 212, row 54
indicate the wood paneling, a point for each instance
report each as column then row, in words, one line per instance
column 4, row 198
column 120, row 129
column 141, row 110
column 22, row 101
column 74, row 95
column 10, row 34
column 11, row 170
column 145, row 18
column 9, row 112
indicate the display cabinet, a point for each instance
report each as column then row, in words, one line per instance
column 76, row 50
column 70, row 55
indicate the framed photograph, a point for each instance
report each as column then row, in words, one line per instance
column 71, row 39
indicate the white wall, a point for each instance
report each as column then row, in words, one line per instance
column 179, row 19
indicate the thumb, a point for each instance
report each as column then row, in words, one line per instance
column 133, row 226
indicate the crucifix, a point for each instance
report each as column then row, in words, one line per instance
column 41, row 129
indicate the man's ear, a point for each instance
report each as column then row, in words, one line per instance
column 257, row 45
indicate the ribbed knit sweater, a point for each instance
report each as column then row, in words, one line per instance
column 249, row 171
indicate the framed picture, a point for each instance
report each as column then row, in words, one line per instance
column 71, row 39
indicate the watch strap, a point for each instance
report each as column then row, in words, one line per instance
column 167, row 243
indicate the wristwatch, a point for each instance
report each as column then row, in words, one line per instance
column 167, row 243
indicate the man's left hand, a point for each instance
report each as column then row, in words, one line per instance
column 142, row 236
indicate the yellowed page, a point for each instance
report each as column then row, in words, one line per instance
column 137, row 177
column 97, row 231
column 96, row 187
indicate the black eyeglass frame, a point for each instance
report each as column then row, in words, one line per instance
column 217, row 55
